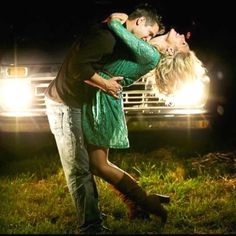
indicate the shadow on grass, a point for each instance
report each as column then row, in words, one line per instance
column 200, row 141
column 35, row 153
column 31, row 154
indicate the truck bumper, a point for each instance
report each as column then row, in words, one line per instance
column 24, row 123
column 150, row 122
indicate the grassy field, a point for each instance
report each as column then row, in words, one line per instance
column 34, row 198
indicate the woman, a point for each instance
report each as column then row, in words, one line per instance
column 104, row 122
column 177, row 65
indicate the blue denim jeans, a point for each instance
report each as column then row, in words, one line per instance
column 65, row 124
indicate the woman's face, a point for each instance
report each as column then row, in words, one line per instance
column 171, row 39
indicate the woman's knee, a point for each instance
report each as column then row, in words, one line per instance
column 99, row 170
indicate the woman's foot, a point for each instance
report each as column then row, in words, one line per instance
column 163, row 198
column 153, row 206
column 137, row 213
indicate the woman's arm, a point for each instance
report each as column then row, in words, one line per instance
column 122, row 17
column 143, row 51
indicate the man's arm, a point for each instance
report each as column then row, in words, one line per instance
column 98, row 42
column 143, row 51
column 112, row 86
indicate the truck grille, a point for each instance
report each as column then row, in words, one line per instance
column 137, row 97
column 141, row 96
column 39, row 86
column 134, row 97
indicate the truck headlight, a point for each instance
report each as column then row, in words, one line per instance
column 15, row 94
column 192, row 94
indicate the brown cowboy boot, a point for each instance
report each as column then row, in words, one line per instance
column 135, row 194
column 134, row 211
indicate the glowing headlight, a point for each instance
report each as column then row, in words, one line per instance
column 194, row 93
column 15, row 94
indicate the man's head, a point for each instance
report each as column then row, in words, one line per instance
column 144, row 22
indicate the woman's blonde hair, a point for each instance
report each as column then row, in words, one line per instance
column 174, row 70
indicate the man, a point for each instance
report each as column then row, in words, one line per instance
column 64, row 98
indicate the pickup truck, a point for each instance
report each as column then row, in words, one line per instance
column 25, row 74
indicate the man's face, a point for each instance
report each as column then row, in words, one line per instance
column 143, row 31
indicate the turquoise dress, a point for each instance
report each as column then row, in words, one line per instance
column 103, row 118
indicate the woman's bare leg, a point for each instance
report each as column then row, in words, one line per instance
column 102, row 167
column 133, row 195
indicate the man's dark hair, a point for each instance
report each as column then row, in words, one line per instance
column 150, row 13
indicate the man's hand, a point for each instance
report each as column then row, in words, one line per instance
column 113, row 87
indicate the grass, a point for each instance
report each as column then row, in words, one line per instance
column 34, row 198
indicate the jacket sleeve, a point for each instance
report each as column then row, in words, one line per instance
column 143, row 51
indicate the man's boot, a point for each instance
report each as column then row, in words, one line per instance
column 134, row 194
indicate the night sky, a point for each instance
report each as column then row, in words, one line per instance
column 211, row 25
column 46, row 24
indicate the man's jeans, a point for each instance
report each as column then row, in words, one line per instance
column 65, row 124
